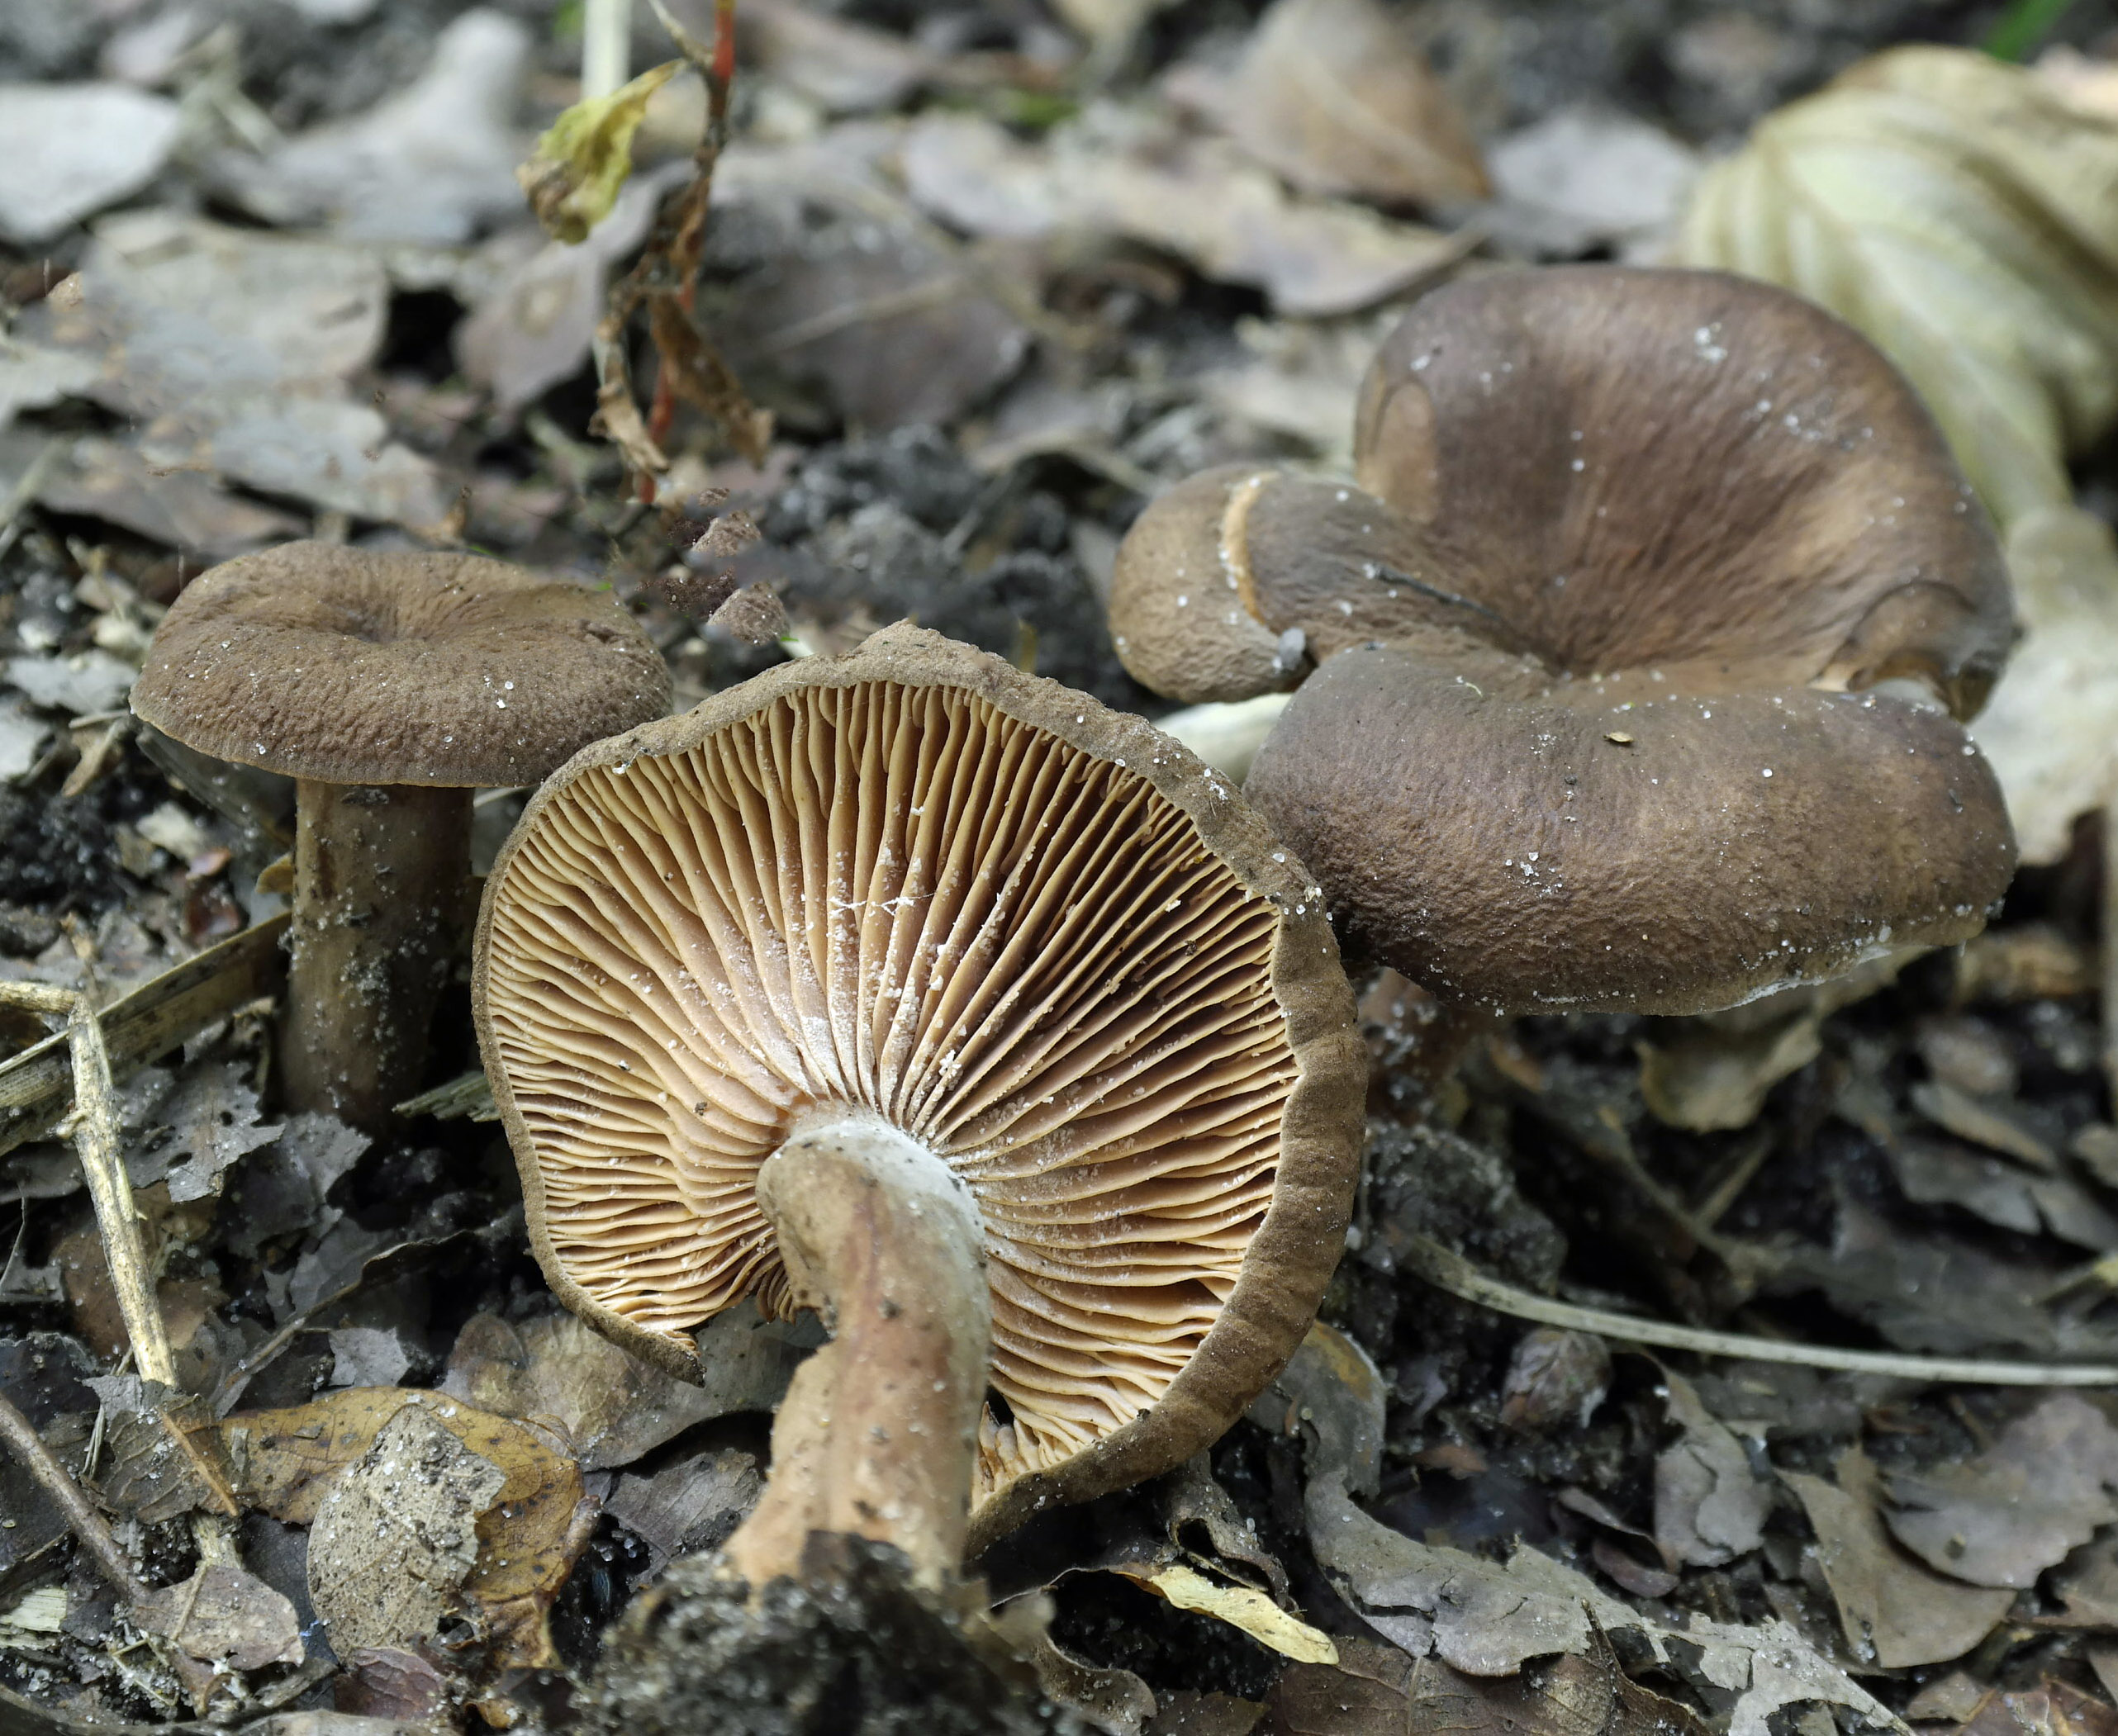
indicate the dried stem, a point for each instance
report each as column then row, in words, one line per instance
column 2109, row 925
column 82, row 1518
column 1453, row 1273
column 665, row 282
column 95, row 1136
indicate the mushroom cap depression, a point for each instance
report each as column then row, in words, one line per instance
column 1585, row 729
column 350, row 666
column 1034, row 935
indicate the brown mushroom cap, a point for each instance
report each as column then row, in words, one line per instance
column 1689, row 471
column 1033, row 934
column 347, row 666
column 1532, row 844
column 1237, row 580
column 1577, row 736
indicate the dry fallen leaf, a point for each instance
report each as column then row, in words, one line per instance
column 1125, row 173
column 223, row 1616
column 1897, row 1612
column 434, row 164
column 1374, row 1690
column 1709, row 1506
column 584, row 158
column 1964, row 214
column 232, row 350
column 394, row 1533
column 559, row 1371
column 1242, row 1607
column 2000, row 1519
column 1956, row 209
column 67, row 151
column 1487, row 1617
column 2049, row 727
column 285, row 1462
column 1336, row 97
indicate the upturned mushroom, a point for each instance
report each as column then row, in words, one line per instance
column 939, row 998
column 1638, row 655
column 388, row 685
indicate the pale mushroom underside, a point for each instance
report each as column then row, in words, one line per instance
column 902, row 898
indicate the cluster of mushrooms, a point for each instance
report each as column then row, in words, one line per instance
column 997, row 1028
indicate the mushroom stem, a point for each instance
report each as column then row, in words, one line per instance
column 381, row 875
column 877, row 1435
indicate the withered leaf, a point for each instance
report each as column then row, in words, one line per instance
column 2000, row 1519
column 1335, row 96
column 283, row 1463
column 1896, row 1611
column 394, row 1533
column 573, row 176
column 1709, row 1507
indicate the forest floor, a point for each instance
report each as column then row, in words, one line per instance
column 968, row 409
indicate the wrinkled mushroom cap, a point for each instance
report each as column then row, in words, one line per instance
column 1686, row 472
column 1586, row 727
column 1033, row 934
column 349, row 666
column 1530, row 846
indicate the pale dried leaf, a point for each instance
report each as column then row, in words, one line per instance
column 1896, row 1611
column 2000, row 1519
column 1956, row 210
column 1335, row 96
column 67, row 151
column 224, row 1615
column 1115, row 173
column 395, row 1535
column 613, row 1407
column 433, row 164
column 1708, row 1081
column 1709, row 1506
column 2049, row 727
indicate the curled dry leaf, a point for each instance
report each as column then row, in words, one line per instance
column 1897, row 1611
column 1487, row 1618
column 1335, row 96
column 581, row 161
column 2000, row 1519
column 1124, row 173
column 1709, row 1507
column 284, row 1463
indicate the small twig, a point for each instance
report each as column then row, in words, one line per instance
column 85, row 1522
column 1452, row 1273
column 2110, row 940
column 95, row 1136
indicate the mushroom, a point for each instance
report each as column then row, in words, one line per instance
column 938, row 998
column 388, row 685
column 1639, row 654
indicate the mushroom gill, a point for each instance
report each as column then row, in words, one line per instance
column 898, row 900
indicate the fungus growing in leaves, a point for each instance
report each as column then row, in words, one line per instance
column 1639, row 655
column 986, row 1021
column 389, row 685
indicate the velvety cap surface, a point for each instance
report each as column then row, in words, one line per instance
column 1528, row 844
column 347, row 666
column 1689, row 471
column 1032, row 934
